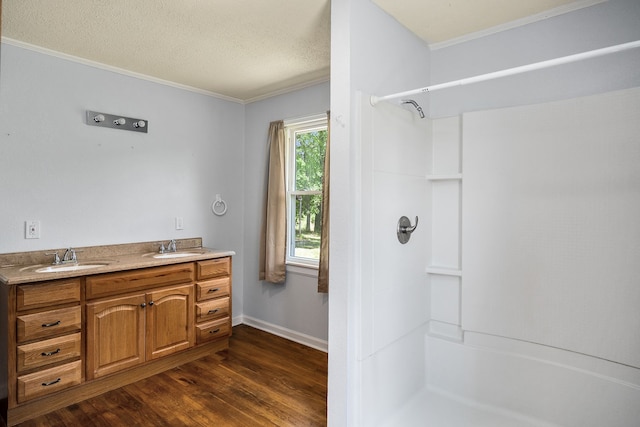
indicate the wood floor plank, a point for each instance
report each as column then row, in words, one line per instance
column 261, row 380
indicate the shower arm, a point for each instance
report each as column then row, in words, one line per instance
column 415, row 104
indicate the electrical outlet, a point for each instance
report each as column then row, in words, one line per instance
column 179, row 223
column 32, row 229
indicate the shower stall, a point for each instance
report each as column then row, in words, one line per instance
column 514, row 302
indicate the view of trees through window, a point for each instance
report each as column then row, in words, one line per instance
column 306, row 196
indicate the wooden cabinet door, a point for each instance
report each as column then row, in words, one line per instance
column 170, row 320
column 115, row 334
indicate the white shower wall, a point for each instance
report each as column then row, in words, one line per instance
column 501, row 371
column 394, row 294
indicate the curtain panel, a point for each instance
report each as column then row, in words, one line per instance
column 274, row 220
column 323, row 267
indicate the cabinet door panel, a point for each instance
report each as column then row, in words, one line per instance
column 115, row 334
column 170, row 320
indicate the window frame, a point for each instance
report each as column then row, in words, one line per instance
column 305, row 124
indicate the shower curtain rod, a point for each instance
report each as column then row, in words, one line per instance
column 512, row 71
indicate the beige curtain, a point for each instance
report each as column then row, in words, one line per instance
column 274, row 218
column 323, row 269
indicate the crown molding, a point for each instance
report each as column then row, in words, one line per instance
column 561, row 10
column 122, row 71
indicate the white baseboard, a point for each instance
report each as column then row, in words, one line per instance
column 289, row 334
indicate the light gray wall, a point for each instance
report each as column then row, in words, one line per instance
column 295, row 305
column 605, row 24
column 94, row 186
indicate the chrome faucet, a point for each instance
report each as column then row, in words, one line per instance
column 70, row 256
column 171, row 247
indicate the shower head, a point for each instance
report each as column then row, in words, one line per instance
column 415, row 104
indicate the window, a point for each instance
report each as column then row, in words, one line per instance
column 306, row 146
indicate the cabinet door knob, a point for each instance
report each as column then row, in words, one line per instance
column 150, row 303
column 143, row 305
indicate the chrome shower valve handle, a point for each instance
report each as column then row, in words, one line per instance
column 405, row 229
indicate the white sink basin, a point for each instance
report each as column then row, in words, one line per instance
column 69, row 267
column 180, row 254
column 59, row 268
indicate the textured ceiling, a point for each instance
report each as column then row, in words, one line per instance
column 438, row 21
column 240, row 49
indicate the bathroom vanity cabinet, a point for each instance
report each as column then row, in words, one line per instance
column 71, row 339
column 133, row 317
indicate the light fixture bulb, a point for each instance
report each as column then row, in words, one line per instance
column 98, row 118
column 139, row 124
column 119, row 122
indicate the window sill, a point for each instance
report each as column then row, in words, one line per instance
column 302, row 269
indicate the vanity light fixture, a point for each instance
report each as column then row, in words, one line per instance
column 95, row 118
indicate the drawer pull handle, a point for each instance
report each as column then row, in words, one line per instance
column 51, row 382
column 213, row 290
column 50, row 353
column 48, row 325
column 212, row 311
column 215, row 331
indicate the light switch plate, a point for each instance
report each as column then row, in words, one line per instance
column 179, row 223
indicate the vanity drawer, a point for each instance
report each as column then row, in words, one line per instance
column 214, row 268
column 213, row 330
column 213, row 289
column 121, row 282
column 47, row 294
column 49, row 380
column 49, row 351
column 212, row 309
column 48, row 323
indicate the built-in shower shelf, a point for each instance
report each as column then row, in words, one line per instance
column 445, row 177
column 444, row 271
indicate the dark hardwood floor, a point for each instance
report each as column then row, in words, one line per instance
column 262, row 380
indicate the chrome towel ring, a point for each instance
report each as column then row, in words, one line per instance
column 219, row 206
